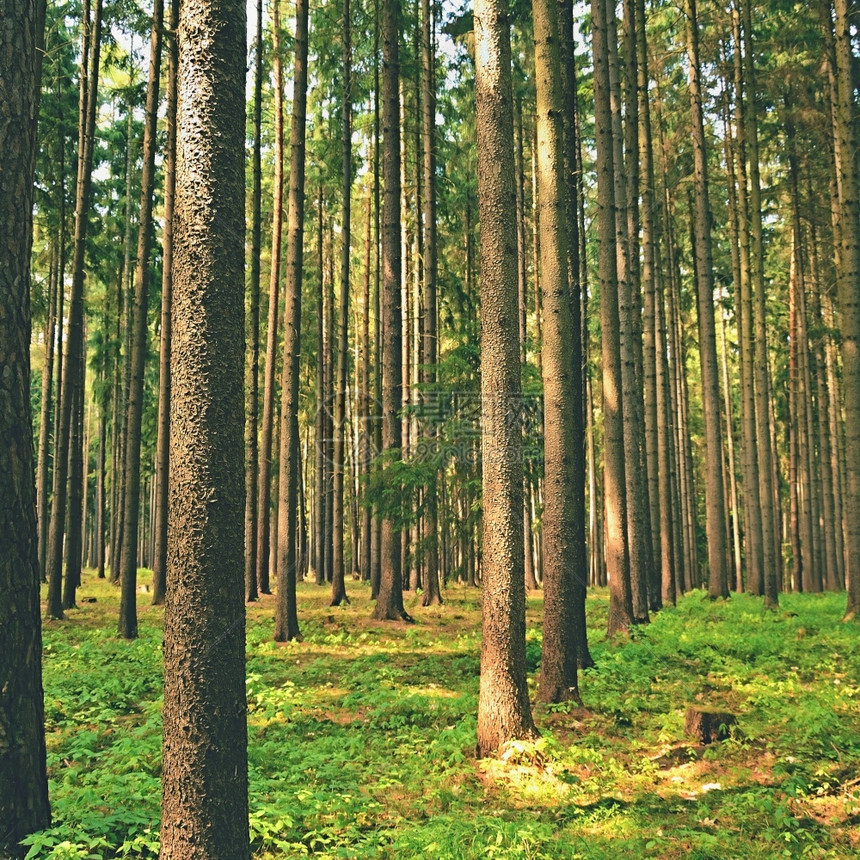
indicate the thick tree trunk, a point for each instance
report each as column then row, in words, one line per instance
column 23, row 782
column 503, row 704
column 205, row 778
column 286, row 620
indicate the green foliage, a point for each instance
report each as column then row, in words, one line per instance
column 361, row 738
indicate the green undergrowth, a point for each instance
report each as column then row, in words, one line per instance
column 362, row 736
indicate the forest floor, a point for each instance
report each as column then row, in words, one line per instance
column 362, row 737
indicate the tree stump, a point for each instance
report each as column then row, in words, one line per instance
column 708, row 724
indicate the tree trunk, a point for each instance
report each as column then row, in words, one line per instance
column 503, row 703
column 561, row 373
column 338, row 582
column 389, row 601
column 252, row 466
column 162, row 455
column 205, row 777
column 432, row 592
column 715, row 508
column 74, row 339
column 849, row 293
column 614, row 475
column 286, row 620
column 23, row 782
column 137, row 321
column 265, row 484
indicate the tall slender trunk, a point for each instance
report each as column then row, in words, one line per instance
column 389, row 601
column 74, row 342
column 849, row 292
column 432, row 593
column 137, row 322
column 338, row 582
column 265, row 484
column 614, row 473
column 286, row 621
column 561, row 373
column 252, row 466
column 715, row 507
column 162, row 455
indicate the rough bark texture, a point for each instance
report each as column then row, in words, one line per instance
column 204, row 780
column 389, row 601
column 503, row 705
column 558, row 680
column 23, row 783
column 286, row 620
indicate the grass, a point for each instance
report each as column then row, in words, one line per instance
column 361, row 737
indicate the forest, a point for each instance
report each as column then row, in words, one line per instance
column 429, row 429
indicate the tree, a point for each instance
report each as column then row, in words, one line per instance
column 252, row 508
column 286, row 620
column 614, row 497
column 718, row 583
column 503, row 703
column 205, row 778
column 389, row 601
column 338, row 583
column 430, row 336
column 849, row 289
column 74, row 353
column 265, row 453
column 162, row 456
column 138, row 323
column 558, row 681
column 23, row 781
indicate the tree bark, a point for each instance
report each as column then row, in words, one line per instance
column 137, row 321
column 265, row 483
column 162, row 455
column 286, row 620
column 503, row 705
column 389, row 601
column 23, row 782
column 204, row 778
column 338, row 582
column 74, row 339
column 718, row 583
column 614, row 473
column 561, row 526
